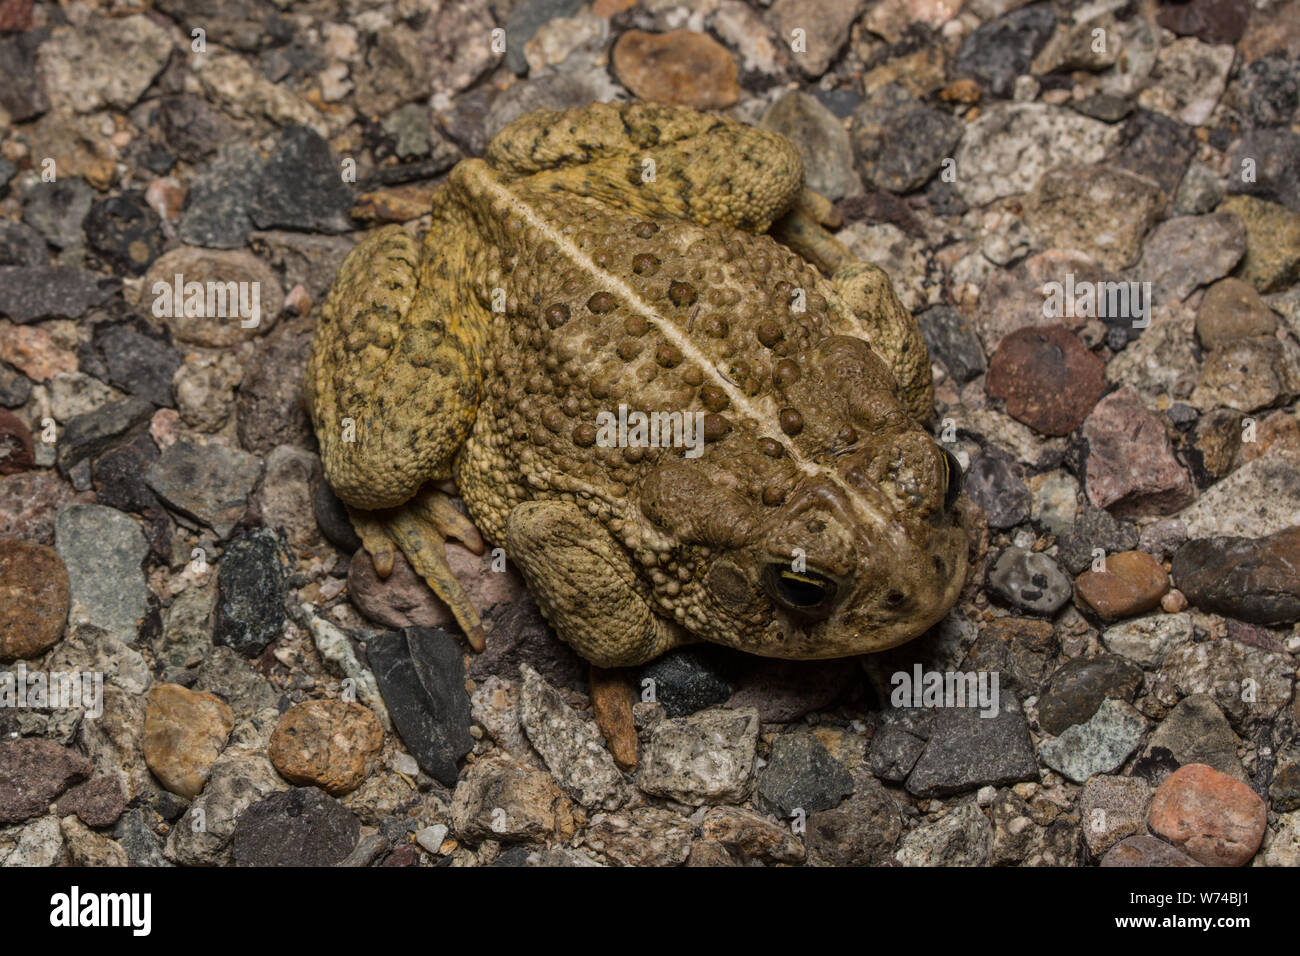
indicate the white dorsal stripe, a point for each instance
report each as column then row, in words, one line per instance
column 739, row 400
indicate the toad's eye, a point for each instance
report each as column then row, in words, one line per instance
column 951, row 478
column 807, row 592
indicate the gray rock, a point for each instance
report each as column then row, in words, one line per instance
column 1100, row 745
column 802, row 775
column 1029, row 580
column 1094, row 528
column 57, row 210
column 138, row 364
column 1146, row 640
column 1185, row 253
column 995, row 481
column 301, row 186
column 1260, row 498
column 208, row 483
column 707, row 757
column 31, row 293
column 525, row 20
column 218, row 207
column 90, row 435
column 821, row 139
column 952, row 341
column 685, row 680
column 1002, row 49
column 967, row 751
column 1248, row 683
column 138, row 840
column 962, row 837
column 1275, row 154
column 1194, row 732
column 1146, row 851
column 893, row 752
column 1111, row 809
column 104, row 551
column 900, row 142
column 570, row 744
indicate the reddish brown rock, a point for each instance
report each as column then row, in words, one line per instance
column 1131, row 468
column 29, row 501
column 33, row 352
column 33, row 772
column 682, row 67
column 16, row 452
column 34, row 596
column 1132, row 583
column 97, row 803
column 1047, row 378
column 331, row 744
column 1213, row 818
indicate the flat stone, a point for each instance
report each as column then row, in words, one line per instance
column 862, row 831
column 421, row 674
column 1215, row 819
column 645, row 836
column 1232, row 309
column 1009, row 147
column 995, row 481
column 92, row 434
column 1188, row 79
column 1021, row 649
column 30, row 293
column 97, row 803
column 208, row 483
column 300, row 186
column 821, row 139
column 108, row 64
column 951, row 340
column 1047, row 378
column 1272, row 261
column 34, row 598
column 826, row 28
column 500, row 800
column 1002, row 49
column 751, row 836
column 104, row 551
column 900, row 142
column 1249, row 684
column 138, row 364
column 299, row 827
column 184, row 733
column 1251, row 579
column 1274, row 157
column 1146, row 640
column 962, row 837
column 1146, row 851
column 1260, row 498
column 1187, row 252
column 1248, row 374
column 968, row 750
column 189, row 320
column 707, row 757
column 1099, row 745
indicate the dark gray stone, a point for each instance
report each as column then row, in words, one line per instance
column 21, row 245
column 1078, row 687
column 802, row 775
column 967, row 750
column 304, row 826
column 952, row 341
column 1002, row 49
column 90, row 435
column 686, row 680
column 31, row 293
column 301, row 186
column 250, row 605
column 995, row 482
column 421, row 675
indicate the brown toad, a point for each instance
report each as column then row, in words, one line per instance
column 614, row 260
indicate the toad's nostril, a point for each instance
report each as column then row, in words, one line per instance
column 894, row 599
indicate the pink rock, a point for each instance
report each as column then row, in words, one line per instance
column 1131, row 467
column 1213, row 818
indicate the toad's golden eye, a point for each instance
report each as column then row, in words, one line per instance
column 804, row 591
column 951, row 478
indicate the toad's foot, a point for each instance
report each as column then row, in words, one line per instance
column 421, row 528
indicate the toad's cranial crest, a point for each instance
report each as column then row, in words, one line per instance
column 556, row 285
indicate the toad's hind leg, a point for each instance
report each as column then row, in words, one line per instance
column 392, row 388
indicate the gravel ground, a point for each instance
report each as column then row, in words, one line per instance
column 267, row 700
